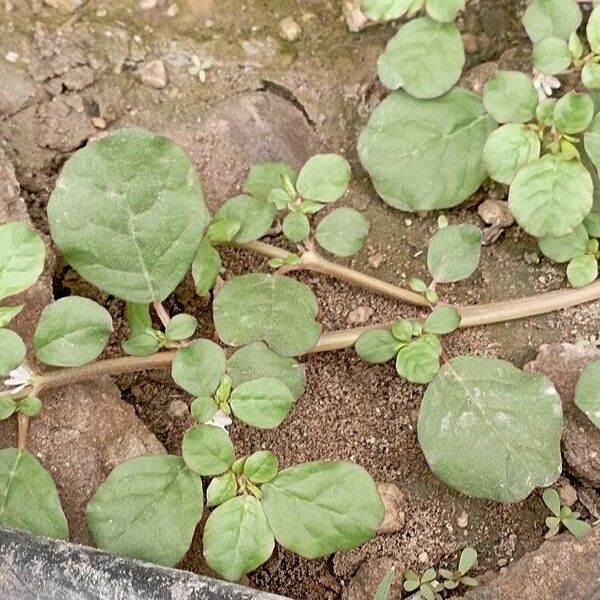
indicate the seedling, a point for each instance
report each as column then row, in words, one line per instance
column 452, row 579
column 562, row 515
column 427, row 584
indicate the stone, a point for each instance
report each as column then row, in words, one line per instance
column 495, row 212
column 567, row 493
column 66, row 6
column 289, row 30
column 153, row 74
column 355, row 18
column 474, row 79
column 370, row 573
column 393, row 502
column 563, row 364
column 16, row 88
column 148, row 4
column 463, row 520
column 563, row 568
column 360, row 315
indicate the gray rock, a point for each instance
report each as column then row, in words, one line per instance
column 393, row 504
column 16, row 88
column 153, row 74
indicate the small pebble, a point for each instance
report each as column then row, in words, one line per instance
column 148, row 4
column 407, row 222
column 12, row 57
column 470, row 43
column 423, row 558
column 173, row 10
column 531, row 258
column 502, row 562
column 178, row 409
column 463, row 520
column 495, row 212
column 375, row 260
column 99, row 122
column 568, row 494
column 360, row 315
column 289, row 30
column 153, row 74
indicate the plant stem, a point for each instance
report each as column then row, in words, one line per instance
column 161, row 313
column 23, row 428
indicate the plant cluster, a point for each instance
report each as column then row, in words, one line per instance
column 562, row 515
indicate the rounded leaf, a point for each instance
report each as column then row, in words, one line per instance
column 342, row 232
column 425, row 57
column 237, row 538
column 30, row 406
column 551, row 18
column 593, row 31
column 545, row 111
column 586, row 392
column 453, row 253
column 147, row 508
column 385, row 10
column 324, row 178
column 205, row 268
column 551, row 196
column 128, row 214
column 296, row 227
column 261, row 466
column 207, row 450
column 221, row 489
column 22, row 255
column 442, row 320
column 265, row 177
column 444, row 11
column 490, row 430
column 426, row 155
column 592, row 224
column 582, row 270
column 181, row 327
column 574, row 112
column 590, row 76
column 29, row 498
column 418, row 362
column 508, row 150
column 551, row 56
column 377, row 346
column 335, row 506
column 7, row 407
column 563, row 249
column 264, row 402
column 8, row 313
column 254, row 216
column 198, row 368
column 510, row 97
column 277, row 310
column 12, row 351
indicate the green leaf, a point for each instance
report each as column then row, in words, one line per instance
column 468, row 558
column 335, row 506
column 545, row 111
column 261, row 466
column 508, row 150
column 198, row 368
column 385, row 586
column 444, row 11
column 308, row 207
column 418, row 362
column 324, row 178
column 402, row 330
column 426, row 155
column 551, row 56
column 29, row 498
column 222, row 230
column 425, row 58
column 7, row 407
column 280, row 198
column 551, row 196
column 258, row 360
column 342, row 232
column 277, row 310
column 254, row 216
column 591, row 141
column 551, row 18
column 203, row 409
column 296, row 227
column 138, row 318
column 582, row 270
column 592, row 224
column 590, row 76
column 8, row 313
column 385, row 10
column 442, row 320
column 575, row 46
column 576, row 527
column 237, row 538
column 221, row 489
column 586, row 392
column 490, row 430
column 552, row 501
column 147, row 508
column 264, row 402
column 144, row 344
column 30, row 406
column 266, row 177
column 510, row 97
column 593, row 31
column 181, row 327
column 453, row 253
column 22, row 255
column 574, row 112
column 418, row 285
column 206, row 268
column 564, row 248
column 377, row 346
column 12, row 351
column 207, row 450
column 128, row 214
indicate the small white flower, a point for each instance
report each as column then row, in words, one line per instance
column 545, row 84
column 221, row 420
column 18, row 379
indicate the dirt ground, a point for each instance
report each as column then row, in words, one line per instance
column 79, row 74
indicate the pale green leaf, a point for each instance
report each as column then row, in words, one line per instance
column 468, row 558
column 254, row 216
column 590, row 76
column 147, row 508
column 510, row 97
column 592, row 224
column 265, row 177
column 402, row 329
column 342, row 232
column 552, row 501
column 576, row 47
column 21, row 258
column 577, row 527
column 237, row 538
column 587, row 397
column 221, row 489
column 29, row 498
column 377, row 346
column 128, row 214
column 198, row 368
column 181, row 327
column 442, row 320
column 385, row 586
column 508, row 150
column 264, row 402
column 551, row 56
column 207, row 450
column 7, row 407
column 591, row 140
column 8, row 313
column 551, row 196
column 574, row 112
column 205, row 268
column 444, row 11
column 30, row 406
column 551, row 18
column 222, row 230
column 418, row 362
column 261, row 466
column 490, row 430
column 335, row 506
column 143, row 344
column 258, row 360
column 453, row 253
column 277, row 310
column 426, row 155
column 12, row 351
column 296, row 227
column 582, row 270
column 324, row 178
column 593, row 31
column 425, row 58
column 203, row 409
column 545, row 111
column 563, row 249
column 385, row 10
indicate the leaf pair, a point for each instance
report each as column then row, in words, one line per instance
column 562, row 515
